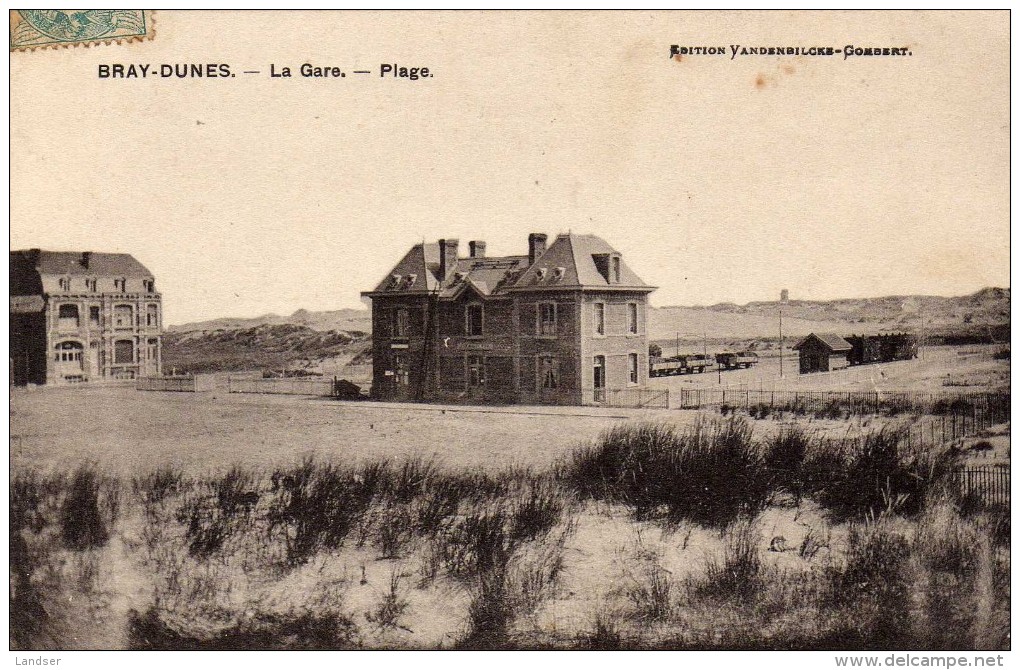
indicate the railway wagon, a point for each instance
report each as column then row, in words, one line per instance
column 867, row 349
column 729, row 360
column 679, row 365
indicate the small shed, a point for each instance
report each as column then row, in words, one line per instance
column 822, row 352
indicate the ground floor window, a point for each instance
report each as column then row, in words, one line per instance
column 69, row 352
column 476, row 370
column 123, row 351
column 632, row 368
column 599, row 378
column 549, row 373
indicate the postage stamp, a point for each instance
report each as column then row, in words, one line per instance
column 57, row 28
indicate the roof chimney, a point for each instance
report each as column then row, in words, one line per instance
column 536, row 247
column 447, row 258
column 476, row 248
column 86, row 256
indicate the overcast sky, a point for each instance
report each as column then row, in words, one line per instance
column 718, row 179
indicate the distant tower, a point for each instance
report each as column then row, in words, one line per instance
column 784, row 296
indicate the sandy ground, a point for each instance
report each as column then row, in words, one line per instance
column 132, row 432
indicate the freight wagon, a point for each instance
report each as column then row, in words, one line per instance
column 881, row 348
column 678, row 365
column 742, row 359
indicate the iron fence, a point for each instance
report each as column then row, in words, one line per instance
column 181, row 383
column 636, row 397
column 985, row 484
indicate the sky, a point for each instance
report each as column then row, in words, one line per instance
column 718, row 180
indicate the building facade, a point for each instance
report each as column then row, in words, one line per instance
column 82, row 317
column 564, row 324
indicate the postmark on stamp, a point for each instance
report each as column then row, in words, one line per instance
column 55, row 28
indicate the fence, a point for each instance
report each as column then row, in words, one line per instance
column 993, row 406
column 321, row 386
column 651, row 398
column 185, row 383
column 988, row 484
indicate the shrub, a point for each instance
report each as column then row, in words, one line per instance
column 945, row 541
column 317, row 504
column 872, row 473
column 710, row 473
column 784, row 458
column 739, row 576
column 82, row 522
column 873, row 582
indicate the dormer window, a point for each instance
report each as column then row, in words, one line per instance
column 410, row 280
column 65, row 283
column 395, row 281
column 90, row 284
column 558, row 273
column 149, row 284
column 120, row 284
column 608, row 266
column 542, row 272
column 459, row 276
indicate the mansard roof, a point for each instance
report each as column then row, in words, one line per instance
column 568, row 263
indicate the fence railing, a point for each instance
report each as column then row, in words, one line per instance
column 987, row 484
column 854, row 402
column 321, row 386
column 183, row 383
column 651, row 398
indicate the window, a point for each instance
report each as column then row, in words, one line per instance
column 94, row 315
column 90, row 284
column 616, row 269
column 150, row 285
column 546, row 318
column 152, row 350
column 120, row 284
column 599, row 378
column 632, row 368
column 474, row 320
column 401, row 374
column 65, row 283
column 600, row 318
column 68, row 352
column 123, row 351
column 549, row 373
column 67, row 317
column 123, row 316
column 476, row 371
column 400, row 322
column 632, row 326
column 152, row 316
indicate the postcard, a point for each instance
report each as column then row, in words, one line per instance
column 510, row 330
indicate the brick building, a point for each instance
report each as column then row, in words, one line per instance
column 82, row 316
column 563, row 324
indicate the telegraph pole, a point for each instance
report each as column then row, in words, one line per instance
column 780, row 342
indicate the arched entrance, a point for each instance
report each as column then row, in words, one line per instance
column 69, row 361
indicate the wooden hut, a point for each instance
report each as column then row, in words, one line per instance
column 822, row 352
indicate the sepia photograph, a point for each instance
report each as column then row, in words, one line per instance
column 510, row 330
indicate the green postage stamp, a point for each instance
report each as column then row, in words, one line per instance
column 46, row 28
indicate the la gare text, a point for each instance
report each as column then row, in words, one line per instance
column 223, row 70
